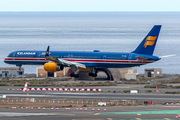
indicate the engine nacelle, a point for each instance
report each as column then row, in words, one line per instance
column 53, row 67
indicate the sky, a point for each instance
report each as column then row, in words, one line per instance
column 89, row 5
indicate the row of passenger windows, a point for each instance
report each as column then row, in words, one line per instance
column 116, row 58
column 122, row 58
column 42, row 56
column 80, row 57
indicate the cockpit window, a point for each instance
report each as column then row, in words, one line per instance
column 13, row 54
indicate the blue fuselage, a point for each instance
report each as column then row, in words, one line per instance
column 89, row 59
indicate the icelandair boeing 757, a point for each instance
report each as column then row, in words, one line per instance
column 57, row 60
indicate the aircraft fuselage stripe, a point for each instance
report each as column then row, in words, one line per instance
column 81, row 60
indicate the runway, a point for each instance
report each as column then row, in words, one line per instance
column 123, row 112
column 99, row 95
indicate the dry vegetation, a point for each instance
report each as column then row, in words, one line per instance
column 173, row 80
column 51, row 82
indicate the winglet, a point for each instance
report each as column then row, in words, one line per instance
column 47, row 52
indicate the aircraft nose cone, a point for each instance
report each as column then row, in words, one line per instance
column 5, row 60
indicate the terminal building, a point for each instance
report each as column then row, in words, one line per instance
column 152, row 73
column 11, row 72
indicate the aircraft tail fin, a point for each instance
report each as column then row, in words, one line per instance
column 149, row 42
column 47, row 52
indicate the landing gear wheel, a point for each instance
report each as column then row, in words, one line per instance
column 20, row 73
column 74, row 75
column 93, row 74
column 90, row 74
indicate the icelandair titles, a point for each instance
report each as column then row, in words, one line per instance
column 26, row 53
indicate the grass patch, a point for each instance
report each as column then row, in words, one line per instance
column 173, row 92
column 126, row 91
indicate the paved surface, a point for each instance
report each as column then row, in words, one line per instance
column 98, row 96
column 120, row 87
column 125, row 112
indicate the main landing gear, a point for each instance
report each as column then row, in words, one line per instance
column 20, row 72
column 74, row 68
column 74, row 75
column 93, row 73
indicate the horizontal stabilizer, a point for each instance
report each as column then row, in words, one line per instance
column 140, row 58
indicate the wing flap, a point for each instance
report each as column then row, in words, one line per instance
column 69, row 63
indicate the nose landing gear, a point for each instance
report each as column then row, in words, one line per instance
column 20, row 72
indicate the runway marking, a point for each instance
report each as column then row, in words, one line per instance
column 96, row 113
column 146, row 112
column 11, row 114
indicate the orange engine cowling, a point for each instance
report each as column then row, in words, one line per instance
column 53, row 67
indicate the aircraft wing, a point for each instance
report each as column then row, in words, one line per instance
column 62, row 61
column 69, row 63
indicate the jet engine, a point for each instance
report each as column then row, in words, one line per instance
column 53, row 67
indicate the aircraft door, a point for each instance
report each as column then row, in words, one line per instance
column 13, row 56
column 38, row 55
column 129, row 58
column 104, row 58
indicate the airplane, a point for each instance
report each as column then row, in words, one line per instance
column 88, row 60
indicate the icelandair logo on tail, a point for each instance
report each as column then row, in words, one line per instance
column 150, row 40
